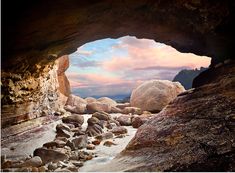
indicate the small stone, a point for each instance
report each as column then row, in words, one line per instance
column 34, row 169
column 119, row 130
column 33, row 162
column 42, row 169
column 101, row 115
column 109, row 143
column 93, row 120
column 90, row 146
column 96, row 142
column 62, row 133
column 80, row 142
column 107, row 135
column 52, row 166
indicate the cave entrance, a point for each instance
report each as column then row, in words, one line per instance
column 114, row 67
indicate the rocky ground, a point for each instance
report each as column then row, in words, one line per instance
column 54, row 152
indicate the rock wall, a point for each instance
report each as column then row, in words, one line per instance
column 28, row 95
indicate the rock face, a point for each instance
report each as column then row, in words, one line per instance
column 193, row 133
column 154, row 95
column 63, row 65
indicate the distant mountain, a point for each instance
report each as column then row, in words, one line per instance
column 185, row 77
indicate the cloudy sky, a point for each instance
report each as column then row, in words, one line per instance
column 115, row 66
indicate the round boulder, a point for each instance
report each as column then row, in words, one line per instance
column 154, row 95
column 97, row 107
column 107, row 101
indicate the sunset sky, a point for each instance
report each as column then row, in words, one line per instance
column 115, row 66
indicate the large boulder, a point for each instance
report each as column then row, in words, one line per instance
column 76, row 104
column 102, row 116
column 154, row 95
column 97, row 107
column 107, row 101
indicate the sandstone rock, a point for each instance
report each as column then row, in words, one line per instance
column 98, row 107
column 154, row 95
column 79, row 109
column 124, row 120
column 123, row 105
column 90, row 100
column 80, row 141
column 74, row 119
column 94, row 130
column 132, row 110
column 138, row 121
column 64, row 85
column 102, row 116
column 119, row 130
column 48, row 155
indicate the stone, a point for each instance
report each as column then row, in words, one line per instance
column 74, row 119
column 76, row 104
column 52, row 166
column 63, row 127
column 154, row 95
column 62, row 139
column 80, row 141
column 123, row 105
column 62, row 133
column 51, row 144
column 101, row 116
column 132, row 110
column 98, row 107
column 77, row 163
column 138, row 121
column 96, row 142
column 93, row 120
column 49, row 155
column 115, row 110
column 90, row 100
column 94, row 130
column 90, row 146
column 124, row 120
column 42, row 169
column 78, row 132
column 109, row 143
column 106, row 135
column 119, row 130
column 107, row 101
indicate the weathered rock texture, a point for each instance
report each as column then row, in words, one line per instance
column 154, row 95
column 63, row 65
column 196, row 132
column 29, row 95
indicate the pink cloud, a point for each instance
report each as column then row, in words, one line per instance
column 144, row 55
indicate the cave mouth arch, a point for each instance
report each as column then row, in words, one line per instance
column 113, row 67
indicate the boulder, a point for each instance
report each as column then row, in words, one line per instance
column 119, row 130
column 154, row 95
column 62, row 133
column 124, row 120
column 93, row 120
column 132, row 110
column 62, row 127
column 102, row 116
column 32, row 162
column 90, row 100
column 49, row 155
column 97, row 107
column 107, row 101
column 76, row 104
column 74, row 119
column 115, row 110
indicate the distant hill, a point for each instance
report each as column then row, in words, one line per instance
column 185, row 77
